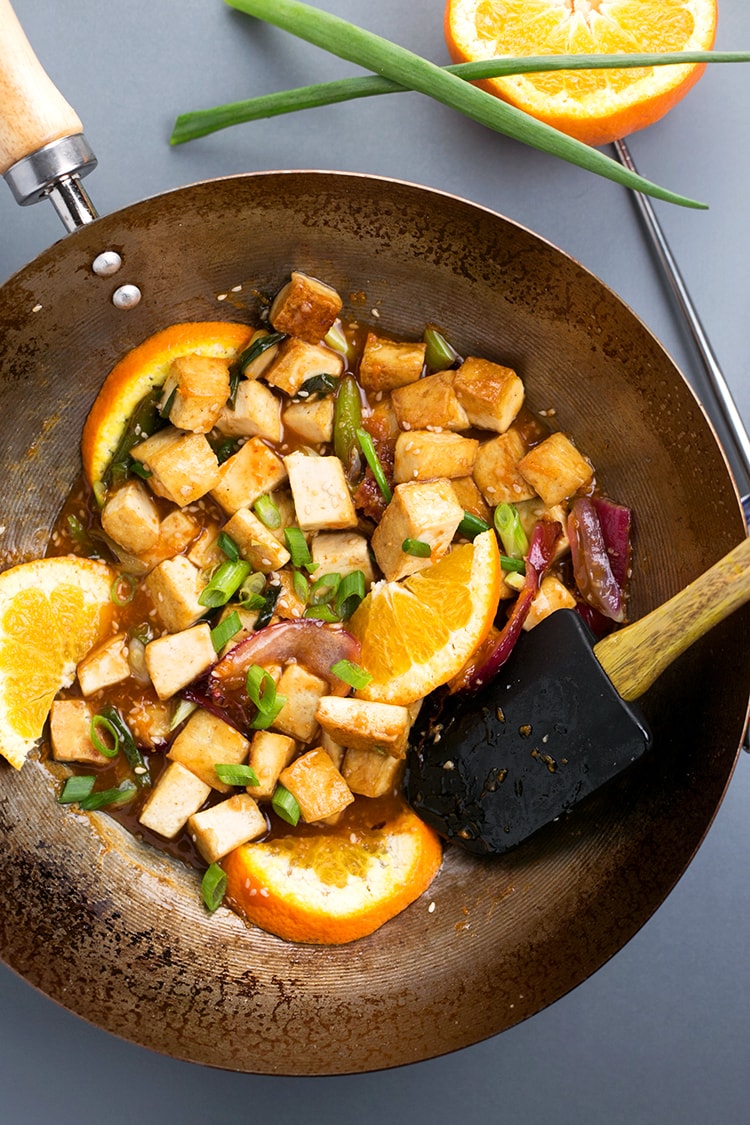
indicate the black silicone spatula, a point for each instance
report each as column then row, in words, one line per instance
column 490, row 768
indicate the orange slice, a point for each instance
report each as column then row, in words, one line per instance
column 595, row 106
column 335, row 885
column 418, row 633
column 142, row 369
column 52, row 612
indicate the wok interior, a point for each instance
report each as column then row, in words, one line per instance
column 117, row 933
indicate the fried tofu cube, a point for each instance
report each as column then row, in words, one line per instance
column 206, row 741
column 177, row 659
column 490, row 394
column 382, row 421
column 424, row 510
column 530, row 513
column 289, row 605
column 220, row 829
column 174, row 587
column 131, row 518
column 305, row 307
column 341, row 552
column 105, row 665
column 322, row 499
column 303, row 691
column 176, row 531
column 200, row 386
column 270, row 753
column 255, row 542
column 430, row 403
column 424, row 455
column 205, row 553
column 256, row 413
column 70, row 732
column 176, row 796
column 364, row 725
column 551, row 596
column 316, row 785
column 183, row 466
column 334, row 750
column 312, row 421
column 471, row 499
column 245, row 476
column 297, row 361
column 386, row 364
column 555, row 469
column 496, row 470
column 150, row 722
column 255, row 368
column 370, row 773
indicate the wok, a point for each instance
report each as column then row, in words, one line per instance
column 115, row 932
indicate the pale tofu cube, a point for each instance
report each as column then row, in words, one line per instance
column 430, row 403
column 205, row 553
column 303, row 692
column 256, row 413
column 149, row 723
column 316, row 785
column 551, row 596
column 174, row 587
column 218, row 830
column 284, row 501
column 490, row 394
column 176, row 796
column 555, row 469
column 255, row 368
column 496, row 470
column 471, row 499
column 305, row 307
column 334, row 750
column 312, row 421
column 206, row 741
column 364, row 725
column 424, row 510
column 130, row 517
column 245, row 476
column 370, row 773
column 183, row 466
column 270, row 753
column 200, row 385
column 176, row 531
column 424, row 455
column 322, row 499
column 386, row 364
column 177, row 659
column 70, row 732
column 531, row 512
column 105, row 665
column 255, row 542
column 341, row 552
column 298, row 361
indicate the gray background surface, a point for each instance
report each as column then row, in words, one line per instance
column 660, row 1033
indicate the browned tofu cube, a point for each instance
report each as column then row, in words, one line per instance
column 370, row 773
column 496, row 470
column 221, row 828
column 255, row 542
column 555, row 469
column 105, row 665
column 174, row 587
column 183, row 466
column 424, row 455
column 430, row 403
column 289, row 604
column 334, row 750
column 176, row 796
column 471, row 499
column 424, row 510
column 298, row 361
column 175, row 660
column 303, row 691
column 386, row 364
column 551, row 596
column 490, row 394
column 176, row 531
column 305, row 307
column 316, row 785
column 270, row 753
column 70, row 732
column 205, row 742
column 245, row 476
column 200, row 385
column 131, row 518
column 365, row 725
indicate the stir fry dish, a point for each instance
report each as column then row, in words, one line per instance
column 285, row 538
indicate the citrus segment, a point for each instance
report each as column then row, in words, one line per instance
column 336, row 885
column 416, row 634
column 595, row 106
column 52, row 612
column 143, row 368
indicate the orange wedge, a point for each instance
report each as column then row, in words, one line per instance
column 418, row 633
column 595, row 106
column 142, row 369
column 335, row 885
column 52, row 612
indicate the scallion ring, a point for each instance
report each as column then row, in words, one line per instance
column 225, row 582
column 351, row 673
column 213, row 887
column 102, row 722
column 123, row 589
column 286, row 805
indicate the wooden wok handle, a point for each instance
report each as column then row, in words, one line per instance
column 32, row 110
column 635, row 657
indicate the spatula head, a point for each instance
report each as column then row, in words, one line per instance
column 490, row 768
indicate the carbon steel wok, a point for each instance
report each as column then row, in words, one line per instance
column 117, row 933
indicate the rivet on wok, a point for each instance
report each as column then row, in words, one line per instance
column 104, row 265
column 126, row 297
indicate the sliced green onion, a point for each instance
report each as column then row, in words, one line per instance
column 261, row 691
column 225, row 582
column 255, row 349
column 351, row 673
column 226, row 544
column 142, row 632
column 267, row 511
column 213, row 887
column 298, row 549
column 77, row 531
column 120, row 795
column 222, row 633
column 301, row 585
column 99, row 489
column 349, row 594
column 266, row 611
column 143, row 423
column 367, row 445
column 140, row 470
column 322, row 613
column 130, row 584
column 233, row 774
column 285, row 805
column 471, row 526
column 165, row 408
column 225, row 448
column 325, row 588
column 76, row 788
column 518, row 566
column 182, row 711
column 134, row 758
column 100, row 722
column 508, row 525
column 250, row 594
column 439, row 355
column 347, row 418
column 335, row 338
column 320, row 385
column 416, row 547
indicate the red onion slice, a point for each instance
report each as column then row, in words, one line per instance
column 592, row 566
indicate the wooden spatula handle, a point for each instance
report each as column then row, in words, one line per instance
column 634, row 657
column 32, row 110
